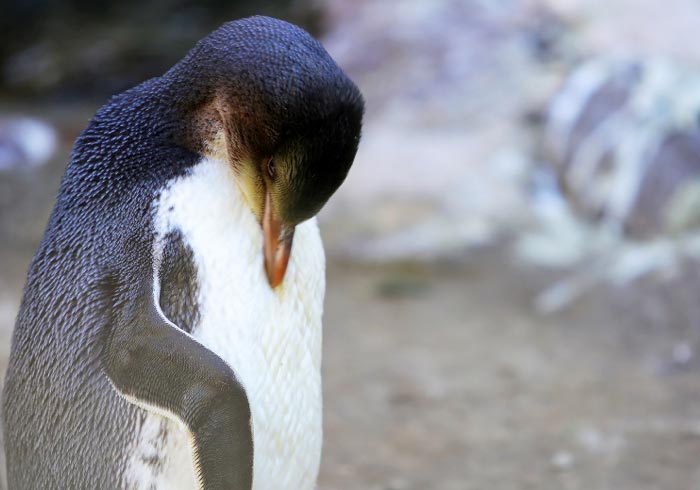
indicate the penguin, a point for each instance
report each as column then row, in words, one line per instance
column 169, row 334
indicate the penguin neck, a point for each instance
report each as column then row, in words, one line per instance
column 191, row 108
column 208, row 94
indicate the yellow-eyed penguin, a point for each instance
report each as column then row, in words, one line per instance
column 169, row 335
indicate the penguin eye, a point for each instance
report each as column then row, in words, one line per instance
column 271, row 168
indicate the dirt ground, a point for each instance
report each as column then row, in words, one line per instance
column 457, row 384
column 445, row 377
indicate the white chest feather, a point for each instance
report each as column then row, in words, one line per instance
column 271, row 339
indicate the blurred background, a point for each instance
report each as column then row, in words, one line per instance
column 513, row 276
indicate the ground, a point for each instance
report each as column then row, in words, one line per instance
column 445, row 377
column 454, row 383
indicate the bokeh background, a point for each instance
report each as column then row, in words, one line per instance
column 513, row 282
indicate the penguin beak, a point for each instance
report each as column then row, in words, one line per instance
column 277, row 243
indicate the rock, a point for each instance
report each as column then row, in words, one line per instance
column 623, row 137
column 81, row 49
column 443, row 164
column 25, row 143
column 563, row 460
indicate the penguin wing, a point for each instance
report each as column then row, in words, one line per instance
column 161, row 368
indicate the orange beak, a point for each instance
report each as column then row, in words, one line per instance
column 277, row 244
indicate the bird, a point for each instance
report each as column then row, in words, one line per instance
column 169, row 333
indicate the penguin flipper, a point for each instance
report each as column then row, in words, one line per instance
column 154, row 364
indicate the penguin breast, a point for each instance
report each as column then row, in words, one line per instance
column 270, row 338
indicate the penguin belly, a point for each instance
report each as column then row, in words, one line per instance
column 270, row 338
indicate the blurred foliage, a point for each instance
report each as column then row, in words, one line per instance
column 84, row 48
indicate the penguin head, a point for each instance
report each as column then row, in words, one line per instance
column 270, row 100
